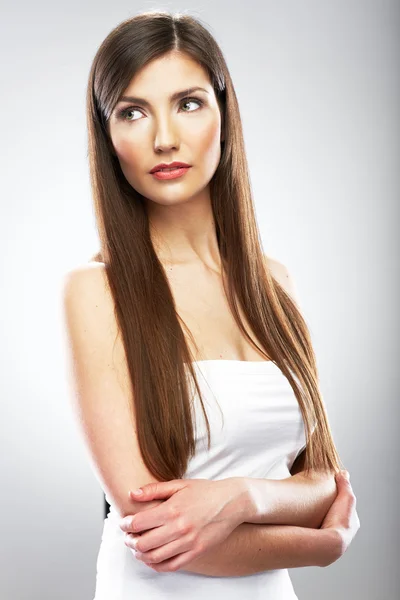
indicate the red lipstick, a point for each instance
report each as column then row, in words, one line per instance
column 170, row 171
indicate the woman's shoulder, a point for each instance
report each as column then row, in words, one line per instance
column 282, row 275
column 91, row 270
column 88, row 283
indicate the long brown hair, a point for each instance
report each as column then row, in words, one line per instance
column 151, row 330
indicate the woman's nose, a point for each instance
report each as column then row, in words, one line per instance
column 165, row 146
column 166, row 138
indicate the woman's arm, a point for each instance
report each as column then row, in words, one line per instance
column 296, row 500
column 254, row 548
column 251, row 547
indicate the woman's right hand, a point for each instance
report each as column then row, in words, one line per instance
column 341, row 519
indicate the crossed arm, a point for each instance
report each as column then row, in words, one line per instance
column 264, row 543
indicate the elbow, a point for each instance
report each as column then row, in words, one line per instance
column 126, row 507
column 326, row 491
column 327, row 484
column 334, row 547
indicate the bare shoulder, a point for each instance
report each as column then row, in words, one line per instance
column 88, row 304
column 91, row 271
column 281, row 274
column 88, row 282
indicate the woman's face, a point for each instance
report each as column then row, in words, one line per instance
column 163, row 130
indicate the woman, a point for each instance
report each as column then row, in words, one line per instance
column 182, row 331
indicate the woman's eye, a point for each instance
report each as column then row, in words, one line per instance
column 189, row 100
column 131, row 109
column 123, row 113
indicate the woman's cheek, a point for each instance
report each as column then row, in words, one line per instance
column 209, row 147
column 130, row 156
column 128, row 151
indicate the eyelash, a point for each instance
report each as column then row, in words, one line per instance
column 122, row 113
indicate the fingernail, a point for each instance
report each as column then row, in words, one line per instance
column 137, row 492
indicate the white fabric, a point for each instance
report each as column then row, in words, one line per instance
column 261, row 436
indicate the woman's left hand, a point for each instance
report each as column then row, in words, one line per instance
column 198, row 514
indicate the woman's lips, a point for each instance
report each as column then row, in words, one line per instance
column 171, row 173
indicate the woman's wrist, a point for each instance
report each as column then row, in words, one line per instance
column 242, row 508
column 245, row 503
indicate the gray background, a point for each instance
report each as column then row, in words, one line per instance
column 318, row 87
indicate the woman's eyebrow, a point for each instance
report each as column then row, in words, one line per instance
column 175, row 96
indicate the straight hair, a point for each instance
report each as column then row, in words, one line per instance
column 153, row 334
